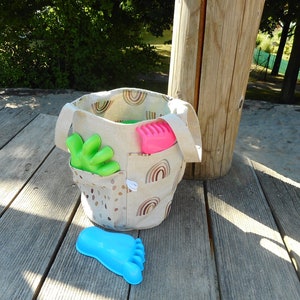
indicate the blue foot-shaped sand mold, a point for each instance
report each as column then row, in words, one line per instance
column 118, row 252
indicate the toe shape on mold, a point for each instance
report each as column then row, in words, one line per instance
column 120, row 253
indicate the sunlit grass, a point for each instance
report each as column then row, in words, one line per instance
column 269, row 87
column 148, row 38
column 269, row 92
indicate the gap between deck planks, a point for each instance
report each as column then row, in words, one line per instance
column 252, row 261
column 32, row 225
column 179, row 263
column 283, row 196
column 23, row 154
column 12, row 121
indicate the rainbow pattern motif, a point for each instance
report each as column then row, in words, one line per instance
column 108, row 200
column 159, row 171
column 150, row 115
column 101, row 107
column 147, row 206
column 134, row 97
column 168, row 209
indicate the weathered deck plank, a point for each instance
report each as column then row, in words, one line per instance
column 180, row 263
column 74, row 276
column 13, row 120
column 31, row 229
column 284, row 200
column 22, row 156
column 247, row 260
column 252, row 262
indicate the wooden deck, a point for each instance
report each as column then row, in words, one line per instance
column 237, row 237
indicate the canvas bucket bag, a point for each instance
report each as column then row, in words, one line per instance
column 140, row 194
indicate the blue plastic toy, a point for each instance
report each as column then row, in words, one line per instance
column 118, row 252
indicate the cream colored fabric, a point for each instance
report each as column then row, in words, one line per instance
column 140, row 195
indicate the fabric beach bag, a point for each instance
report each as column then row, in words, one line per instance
column 138, row 196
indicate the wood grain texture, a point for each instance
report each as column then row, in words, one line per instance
column 212, row 47
column 178, row 259
column 243, row 55
column 284, row 199
column 179, row 262
column 22, row 156
column 228, row 239
column 184, row 69
column 12, row 120
column 31, row 229
column 252, row 262
column 223, row 20
column 74, row 276
column 183, row 66
column 229, row 41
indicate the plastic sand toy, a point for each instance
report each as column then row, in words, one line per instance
column 89, row 157
column 156, row 136
column 118, row 252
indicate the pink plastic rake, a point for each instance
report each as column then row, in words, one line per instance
column 156, row 136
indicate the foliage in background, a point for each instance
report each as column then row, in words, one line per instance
column 82, row 44
column 156, row 15
column 284, row 13
column 270, row 43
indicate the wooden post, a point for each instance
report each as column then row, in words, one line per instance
column 212, row 48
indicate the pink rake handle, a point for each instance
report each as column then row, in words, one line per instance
column 156, row 136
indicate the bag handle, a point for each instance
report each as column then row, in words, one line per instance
column 63, row 125
column 188, row 137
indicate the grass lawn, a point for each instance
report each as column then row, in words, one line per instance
column 261, row 85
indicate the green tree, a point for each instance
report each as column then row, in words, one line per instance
column 292, row 71
column 286, row 12
column 277, row 13
column 82, row 44
column 156, row 15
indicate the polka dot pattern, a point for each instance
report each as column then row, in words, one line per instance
column 101, row 197
column 108, row 201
